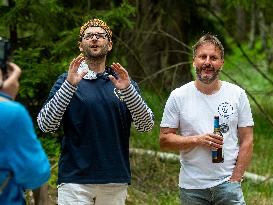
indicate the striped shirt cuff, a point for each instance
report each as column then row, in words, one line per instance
column 142, row 115
column 50, row 116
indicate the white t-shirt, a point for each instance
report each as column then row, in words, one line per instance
column 192, row 112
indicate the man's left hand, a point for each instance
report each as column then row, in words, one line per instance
column 123, row 80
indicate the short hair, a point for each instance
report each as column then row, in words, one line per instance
column 208, row 38
column 95, row 23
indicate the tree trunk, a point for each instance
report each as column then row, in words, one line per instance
column 155, row 47
column 241, row 24
column 41, row 196
column 13, row 29
column 263, row 30
column 270, row 51
column 215, row 5
column 252, row 25
column 88, row 7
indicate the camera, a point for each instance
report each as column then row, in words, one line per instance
column 5, row 50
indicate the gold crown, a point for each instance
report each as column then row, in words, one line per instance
column 96, row 23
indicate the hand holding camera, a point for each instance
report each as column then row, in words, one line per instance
column 10, row 85
column 9, row 72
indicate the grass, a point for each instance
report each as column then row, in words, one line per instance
column 155, row 182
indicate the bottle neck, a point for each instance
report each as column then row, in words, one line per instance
column 216, row 123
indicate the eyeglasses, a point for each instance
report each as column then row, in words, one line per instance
column 98, row 36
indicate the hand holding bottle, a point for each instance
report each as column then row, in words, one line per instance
column 214, row 141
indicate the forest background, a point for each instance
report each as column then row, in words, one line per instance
column 153, row 39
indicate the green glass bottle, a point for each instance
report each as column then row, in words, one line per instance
column 217, row 154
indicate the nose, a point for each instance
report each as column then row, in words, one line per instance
column 207, row 61
column 94, row 38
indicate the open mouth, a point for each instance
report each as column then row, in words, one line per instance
column 208, row 70
column 94, row 46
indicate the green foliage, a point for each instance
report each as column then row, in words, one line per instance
column 246, row 4
column 52, row 148
column 51, row 145
column 120, row 17
column 47, row 41
column 247, row 77
column 37, row 78
column 32, row 16
column 67, row 45
column 235, row 3
column 46, row 47
column 150, row 140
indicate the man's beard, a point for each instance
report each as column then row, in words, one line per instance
column 89, row 54
column 207, row 79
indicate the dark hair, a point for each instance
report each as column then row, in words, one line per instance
column 208, row 38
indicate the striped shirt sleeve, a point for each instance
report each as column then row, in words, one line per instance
column 49, row 118
column 142, row 115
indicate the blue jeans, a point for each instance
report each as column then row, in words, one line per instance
column 227, row 193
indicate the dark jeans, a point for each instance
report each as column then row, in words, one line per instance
column 227, row 193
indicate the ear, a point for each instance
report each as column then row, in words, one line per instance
column 110, row 45
column 80, row 47
column 222, row 63
column 193, row 64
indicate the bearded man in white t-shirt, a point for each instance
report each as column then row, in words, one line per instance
column 187, row 125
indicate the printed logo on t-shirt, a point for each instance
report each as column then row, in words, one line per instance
column 224, row 128
column 225, row 110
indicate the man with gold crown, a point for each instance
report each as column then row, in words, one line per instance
column 95, row 104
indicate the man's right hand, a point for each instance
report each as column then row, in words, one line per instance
column 73, row 76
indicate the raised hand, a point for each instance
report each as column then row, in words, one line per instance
column 123, row 80
column 73, row 76
column 11, row 84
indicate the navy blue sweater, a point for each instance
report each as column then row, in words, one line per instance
column 96, row 124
